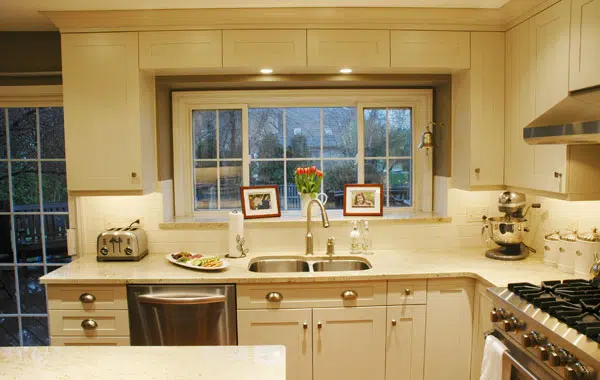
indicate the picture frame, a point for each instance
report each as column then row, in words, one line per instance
column 260, row 202
column 363, row 200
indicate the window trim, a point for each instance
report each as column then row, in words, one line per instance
column 184, row 102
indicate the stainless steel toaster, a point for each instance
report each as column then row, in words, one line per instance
column 122, row 244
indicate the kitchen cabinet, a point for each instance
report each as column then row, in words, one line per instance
column 280, row 50
column 478, row 115
column 585, row 44
column 335, row 49
column 291, row 328
column 430, row 51
column 109, row 115
column 349, row 343
column 177, row 50
column 449, row 325
column 482, row 307
column 405, row 342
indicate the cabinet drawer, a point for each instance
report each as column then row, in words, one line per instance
column 312, row 295
column 411, row 292
column 98, row 297
column 89, row 341
column 108, row 322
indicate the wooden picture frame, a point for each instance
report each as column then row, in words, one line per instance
column 363, row 200
column 260, row 201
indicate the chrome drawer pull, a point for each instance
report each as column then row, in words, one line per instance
column 274, row 297
column 89, row 324
column 87, row 298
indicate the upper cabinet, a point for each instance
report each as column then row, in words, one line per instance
column 334, row 49
column 585, row 44
column 478, row 115
column 256, row 49
column 430, row 51
column 109, row 115
column 166, row 50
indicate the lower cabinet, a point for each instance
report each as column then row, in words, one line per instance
column 289, row 327
column 405, row 342
column 482, row 307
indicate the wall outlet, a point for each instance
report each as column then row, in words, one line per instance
column 120, row 221
column 476, row 213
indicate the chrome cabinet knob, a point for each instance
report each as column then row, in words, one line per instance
column 407, row 292
column 87, row 298
column 349, row 295
column 394, row 323
column 274, row 297
column 89, row 324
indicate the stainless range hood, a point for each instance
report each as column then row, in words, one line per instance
column 574, row 120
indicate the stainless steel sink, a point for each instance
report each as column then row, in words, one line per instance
column 278, row 265
column 352, row 264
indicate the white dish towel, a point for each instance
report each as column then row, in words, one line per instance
column 491, row 366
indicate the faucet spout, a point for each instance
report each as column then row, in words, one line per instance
column 324, row 219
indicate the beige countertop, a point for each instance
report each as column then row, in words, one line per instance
column 399, row 264
column 144, row 363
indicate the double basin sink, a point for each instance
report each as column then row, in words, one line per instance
column 286, row 264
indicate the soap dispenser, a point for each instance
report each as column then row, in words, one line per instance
column 355, row 241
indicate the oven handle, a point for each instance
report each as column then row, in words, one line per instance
column 509, row 361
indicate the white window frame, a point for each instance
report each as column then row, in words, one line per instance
column 419, row 100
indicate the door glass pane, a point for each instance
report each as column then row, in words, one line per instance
column 374, row 133
column 400, row 183
column 293, row 197
column 205, row 133
column 2, row 133
column 230, row 134
column 376, row 173
column 28, row 238
column 9, row 331
column 32, row 293
column 55, row 227
column 337, row 174
column 400, row 133
column 6, row 249
column 8, row 296
column 22, row 129
column 25, row 186
column 265, row 130
column 206, row 185
column 52, row 132
column 4, row 194
column 303, row 132
column 231, row 180
column 339, row 132
column 54, row 186
column 35, row 331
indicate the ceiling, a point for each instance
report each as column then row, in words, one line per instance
column 24, row 14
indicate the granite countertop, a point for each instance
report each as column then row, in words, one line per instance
column 144, row 363
column 398, row 264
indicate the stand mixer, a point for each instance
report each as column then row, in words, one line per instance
column 508, row 231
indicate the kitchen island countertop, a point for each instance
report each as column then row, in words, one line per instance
column 144, row 363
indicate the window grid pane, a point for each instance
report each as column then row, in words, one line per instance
column 33, row 218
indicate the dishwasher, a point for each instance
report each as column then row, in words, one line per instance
column 182, row 315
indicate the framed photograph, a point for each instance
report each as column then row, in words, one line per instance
column 260, row 201
column 363, row 200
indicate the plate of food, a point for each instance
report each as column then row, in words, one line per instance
column 197, row 261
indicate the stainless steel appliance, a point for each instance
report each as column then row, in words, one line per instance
column 122, row 244
column 182, row 315
column 508, row 231
column 552, row 330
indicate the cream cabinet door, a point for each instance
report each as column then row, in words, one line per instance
column 405, row 342
column 291, row 328
column 430, row 51
column 449, row 329
column 349, row 343
column 482, row 306
column 348, row 48
column 278, row 49
column 585, row 44
column 174, row 50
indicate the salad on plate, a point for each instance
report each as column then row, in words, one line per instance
column 198, row 260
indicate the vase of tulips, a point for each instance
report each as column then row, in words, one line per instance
column 308, row 184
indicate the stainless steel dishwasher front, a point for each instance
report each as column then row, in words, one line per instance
column 182, row 315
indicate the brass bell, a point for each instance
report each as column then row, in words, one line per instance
column 427, row 138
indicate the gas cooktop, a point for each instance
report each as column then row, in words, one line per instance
column 574, row 302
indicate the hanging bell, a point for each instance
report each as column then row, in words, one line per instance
column 426, row 140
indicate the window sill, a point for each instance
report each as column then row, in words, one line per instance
column 294, row 219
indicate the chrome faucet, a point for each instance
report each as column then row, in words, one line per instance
column 309, row 237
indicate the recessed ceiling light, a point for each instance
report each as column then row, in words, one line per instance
column 266, row 71
column 346, row 70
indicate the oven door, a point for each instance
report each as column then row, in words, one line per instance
column 512, row 369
